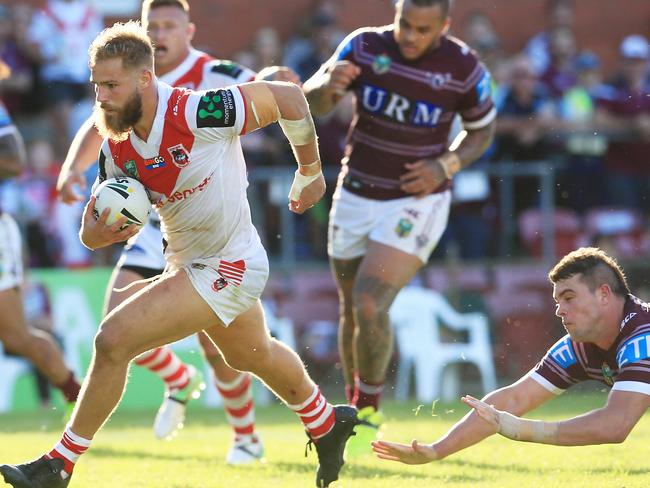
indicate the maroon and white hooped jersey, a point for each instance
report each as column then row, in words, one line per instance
column 405, row 108
column 625, row 366
column 193, row 165
column 200, row 71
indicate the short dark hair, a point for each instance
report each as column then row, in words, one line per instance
column 149, row 5
column 445, row 5
column 128, row 41
column 595, row 268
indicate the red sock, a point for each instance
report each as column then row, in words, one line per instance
column 316, row 414
column 167, row 365
column 69, row 448
column 238, row 401
column 369, row 394
column 70, row 388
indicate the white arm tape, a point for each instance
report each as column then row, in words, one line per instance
column 299, row 132
column 300, row 181
column 527, row 430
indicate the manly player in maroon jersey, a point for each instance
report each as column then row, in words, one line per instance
column 608, row 340
column 16, row 336
column 179, row 64
column 392, row 201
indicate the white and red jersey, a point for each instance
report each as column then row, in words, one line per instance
column 193, row 165
column 200, row 71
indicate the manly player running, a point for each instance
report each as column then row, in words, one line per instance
column 15, row 335
column 216, row 267
column 608, row 340
column 179, row 64
column 392, row 201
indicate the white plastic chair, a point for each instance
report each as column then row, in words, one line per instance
column 416, row 315
column 11, row 368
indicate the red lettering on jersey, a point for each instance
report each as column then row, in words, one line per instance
column 194, row 76
column 160, row 178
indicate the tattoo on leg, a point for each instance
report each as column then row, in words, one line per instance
column 374, row 342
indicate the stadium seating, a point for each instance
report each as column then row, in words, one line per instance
column 417, row 315
column 567, row 226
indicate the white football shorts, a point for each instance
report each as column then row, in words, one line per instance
column 230, row 287
column 11, row 257
column 145, row 249
column 413, row 225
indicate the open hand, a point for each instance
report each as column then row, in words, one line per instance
column 415, row 453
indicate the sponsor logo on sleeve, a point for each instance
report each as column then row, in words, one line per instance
column 634, row 350
column 484, row 87
column 563, row 354
column 216, row 109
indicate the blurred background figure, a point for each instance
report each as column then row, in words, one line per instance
column 60, row 33
column 623, row 111
column 559, row 15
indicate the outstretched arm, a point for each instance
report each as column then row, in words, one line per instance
column 518, row 398
column 268, row 102
column 610, row 424
column 81, row 155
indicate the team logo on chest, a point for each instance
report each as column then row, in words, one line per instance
column 131, row 169
column 381, row 64
column 608, row 376
column 180, row 155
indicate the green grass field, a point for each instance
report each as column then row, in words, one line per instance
column 125, row 453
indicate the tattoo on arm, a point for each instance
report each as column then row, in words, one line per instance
column 475, row 144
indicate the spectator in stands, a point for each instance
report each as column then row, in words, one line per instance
column 559, row 14
column 62, row 32
column 623, row 111
column 581, row 184
column 525, row 113
column 20, row 80
column 306, row 54
column 560, row 74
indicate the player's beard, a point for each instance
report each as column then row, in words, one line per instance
column 116, row 125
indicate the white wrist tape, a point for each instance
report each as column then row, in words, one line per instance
column 528, row 430
column 299, row 132
column 300, row 181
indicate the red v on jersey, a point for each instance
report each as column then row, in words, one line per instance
column 160, row 173
column 193, row 78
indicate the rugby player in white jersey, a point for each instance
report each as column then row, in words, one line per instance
column 178, row 64
column 216, row 265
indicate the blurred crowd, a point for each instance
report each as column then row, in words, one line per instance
column 555, row 105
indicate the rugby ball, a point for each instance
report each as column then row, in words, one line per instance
column 125, row 197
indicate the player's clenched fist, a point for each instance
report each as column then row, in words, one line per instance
column 306, row 191
column 341, row 75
